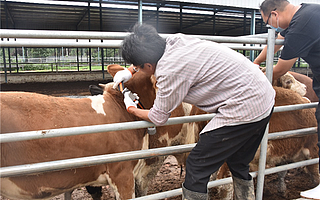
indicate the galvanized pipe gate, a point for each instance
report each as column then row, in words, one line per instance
column 95, row 160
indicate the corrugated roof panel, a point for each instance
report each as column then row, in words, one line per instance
column 254, row 4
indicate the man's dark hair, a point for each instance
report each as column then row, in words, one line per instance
column 269, row 5
column 144, row 45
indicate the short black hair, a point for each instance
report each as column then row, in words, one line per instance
column 269, row 5
column 143, row 45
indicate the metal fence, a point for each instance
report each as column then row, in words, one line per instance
column 94, row 160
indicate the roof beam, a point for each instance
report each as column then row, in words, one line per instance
column 8, row 14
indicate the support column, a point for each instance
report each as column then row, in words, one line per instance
column 252, row 32
column 264, row 142
column 89, row 19
column 140, row 11
column 214, row 22
column 181, row 6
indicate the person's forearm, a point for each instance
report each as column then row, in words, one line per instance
column 143, row 114
column 282, row 67
column 263, row 55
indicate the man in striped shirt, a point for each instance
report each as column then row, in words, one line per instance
column 216, row 79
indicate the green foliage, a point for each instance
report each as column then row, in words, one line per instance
column 41, row 52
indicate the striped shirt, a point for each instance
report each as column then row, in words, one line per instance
column 212, row 77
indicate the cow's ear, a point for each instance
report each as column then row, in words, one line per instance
column 113, row 69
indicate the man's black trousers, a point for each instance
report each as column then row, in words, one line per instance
column 235, row 145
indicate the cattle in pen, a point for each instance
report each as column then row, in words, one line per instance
column 297, row 82
column 22, row 111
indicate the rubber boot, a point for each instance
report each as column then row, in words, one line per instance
column 191, row 195
column 243, row 189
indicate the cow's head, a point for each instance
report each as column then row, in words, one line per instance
column 140, row 83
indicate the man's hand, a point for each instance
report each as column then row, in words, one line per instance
column 121, row 76
column 128, row 99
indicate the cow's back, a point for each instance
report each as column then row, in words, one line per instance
column 22, row 111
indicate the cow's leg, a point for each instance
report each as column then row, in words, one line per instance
column 67, row 195
column 120, row 178
column 282, row 185
column 95, row 192
column 313, row 171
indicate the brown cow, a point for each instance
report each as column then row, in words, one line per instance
column 22, row 111
column 284, row 151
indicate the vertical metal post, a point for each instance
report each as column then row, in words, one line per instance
column 101, row 29
column 100, row 9
column 4, row 65
column 102, row 63
column 244, row 28
column 158, row 7
column 214, row 22
column 9, row 57
column 17, row 60
column 181, row 6
column 89, row 20
column 264, row 142
column 23, row 58
column 253, row 31
column 77, row 50
column 140, row 11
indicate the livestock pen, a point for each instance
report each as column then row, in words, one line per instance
column 80, row 162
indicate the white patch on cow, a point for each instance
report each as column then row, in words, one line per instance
column 307, row 99
column 164, row 137
column 97, row 103
column 102, row 179
column 111, row 183
column 11, row 190
column 289, row 82
column 140, row 170
column 306, row 152
column 186, row 108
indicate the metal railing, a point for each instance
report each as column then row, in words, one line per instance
column 94, row 160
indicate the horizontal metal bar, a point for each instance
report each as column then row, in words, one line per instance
column 296, row 133
column 29, row 135
column 58, row 44
column 295, row 107
column 41, row 34
column 105, row 44
column 117, row 157
column 211, row 184
column 91, row 160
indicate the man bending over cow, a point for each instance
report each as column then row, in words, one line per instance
column 299, row 26
column 217, row 80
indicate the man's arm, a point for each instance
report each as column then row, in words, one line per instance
column 282, row 67
column 263, row 55
column 143, row 114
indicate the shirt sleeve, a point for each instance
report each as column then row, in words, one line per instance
column 171, row 92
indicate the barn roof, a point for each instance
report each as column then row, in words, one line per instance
column 120, row 15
